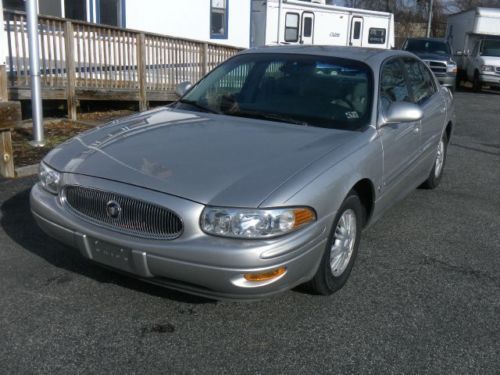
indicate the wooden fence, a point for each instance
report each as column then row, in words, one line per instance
column 83, row 61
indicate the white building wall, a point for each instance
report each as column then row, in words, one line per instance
column 188, row 19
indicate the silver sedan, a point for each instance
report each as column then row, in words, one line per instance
column 260, row 178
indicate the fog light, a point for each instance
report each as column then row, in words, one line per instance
column 265, row 276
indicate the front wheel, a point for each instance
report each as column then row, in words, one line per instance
column 437, row 170
column 341, row 248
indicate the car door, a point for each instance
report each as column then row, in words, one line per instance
column 401, row 141
column 426, row 94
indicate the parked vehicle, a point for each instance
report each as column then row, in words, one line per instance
column 475, row 38
column 260, row 178
column 299, row 22
column 437, row 54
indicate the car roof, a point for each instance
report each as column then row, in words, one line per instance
column 367, row 55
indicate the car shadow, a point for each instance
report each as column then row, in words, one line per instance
column 18, row 223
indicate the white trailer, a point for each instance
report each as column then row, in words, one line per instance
column 298, row 22
column 475, row 38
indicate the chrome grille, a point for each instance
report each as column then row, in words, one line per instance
column 437, row 66
column 136, row 217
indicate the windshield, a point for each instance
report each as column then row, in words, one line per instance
column 298, row 89
column 491, row 48
column 430, row 46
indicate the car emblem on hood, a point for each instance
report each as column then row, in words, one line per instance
column 113, row 209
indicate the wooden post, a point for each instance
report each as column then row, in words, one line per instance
column 6, row 154
column 69, row 43
column 204, row 68
column 4, row 93
column 141, row 71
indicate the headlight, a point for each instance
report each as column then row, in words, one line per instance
column 451, row 68
column 487, row 68
column 258, row 223
column 49, row 179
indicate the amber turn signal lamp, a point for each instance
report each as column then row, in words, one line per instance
column 265, row 276
column 303, row 216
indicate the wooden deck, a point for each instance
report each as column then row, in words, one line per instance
column 83, row 61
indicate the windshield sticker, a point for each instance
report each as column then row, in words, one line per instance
column 352, row 115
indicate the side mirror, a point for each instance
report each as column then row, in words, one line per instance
column 402, row 112
column 182, row 88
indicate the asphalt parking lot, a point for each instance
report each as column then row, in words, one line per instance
column 424, row 295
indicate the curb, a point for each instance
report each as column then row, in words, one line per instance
column 29, row 170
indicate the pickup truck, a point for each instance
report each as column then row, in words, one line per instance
column 437, row 54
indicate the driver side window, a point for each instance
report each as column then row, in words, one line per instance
column 393, row 87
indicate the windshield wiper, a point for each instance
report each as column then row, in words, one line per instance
column 195, row 104
column 269, row 116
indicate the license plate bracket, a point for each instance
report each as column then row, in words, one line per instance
column 112, row 255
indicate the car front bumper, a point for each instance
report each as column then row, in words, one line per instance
column 195, row 263
column 490, row 79
column 447, row 80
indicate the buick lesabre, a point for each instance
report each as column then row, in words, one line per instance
column 261, row 177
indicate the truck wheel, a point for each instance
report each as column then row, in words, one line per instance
column 476, row 83
column 458, row 80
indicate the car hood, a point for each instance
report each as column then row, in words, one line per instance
column 432, row 56
column 210, row 159
column 490, row 60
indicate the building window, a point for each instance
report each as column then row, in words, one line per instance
column 14, row 5
column 292, row 27
column 76, row 9
column 110, row 12
column 50, row 7
column 218, row 19
column 376, row 36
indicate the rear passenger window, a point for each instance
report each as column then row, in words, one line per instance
column 420, row 80
column 393, row 87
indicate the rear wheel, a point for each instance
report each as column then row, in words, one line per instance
column 341, row 248
column 437, row 170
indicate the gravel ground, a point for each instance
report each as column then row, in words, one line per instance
column 424, row 295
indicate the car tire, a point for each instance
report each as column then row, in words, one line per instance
column 436, row 174
column 341, row 248
column 458, row 81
